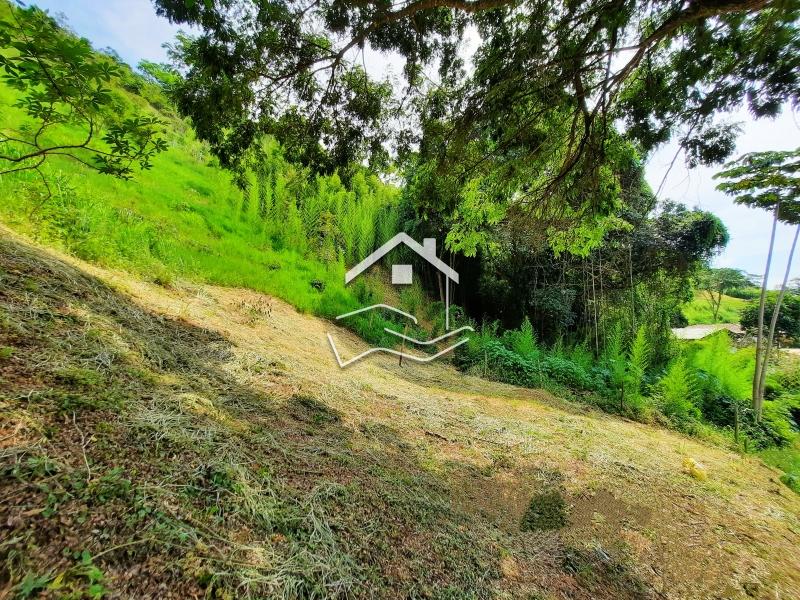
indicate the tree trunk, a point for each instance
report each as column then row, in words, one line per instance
column 715, row 304
column 760, row 332
column 774, row 322
column 630, row 273
column 594, row 304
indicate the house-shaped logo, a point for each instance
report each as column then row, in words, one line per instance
column 403, row 274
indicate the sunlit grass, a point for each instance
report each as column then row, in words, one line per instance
column 699, row 311
column 182, row 219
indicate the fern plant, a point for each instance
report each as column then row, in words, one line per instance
column 733, row 369
column 677, row 394
column 523, row 342
column 638, row 362
column 613, row 360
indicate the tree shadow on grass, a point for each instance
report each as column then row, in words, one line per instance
column 134, row 462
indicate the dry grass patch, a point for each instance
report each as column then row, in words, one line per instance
column 218, row 448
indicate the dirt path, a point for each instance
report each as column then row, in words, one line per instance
column 634, row 515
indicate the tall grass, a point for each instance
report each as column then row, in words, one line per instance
column 277, row 230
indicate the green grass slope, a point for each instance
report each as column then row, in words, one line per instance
column 185, row 218
column 182, row 218
column 698, row 311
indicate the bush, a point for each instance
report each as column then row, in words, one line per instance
column 516, row 358
column 506, row 365
column 788, row 325
column 788, row 376
column 522, row 341
column 779, row 419
column 566, row 372
column 791, row 481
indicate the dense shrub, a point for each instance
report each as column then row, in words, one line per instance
column 515, row 357
column 567, row 372
column 788, row 325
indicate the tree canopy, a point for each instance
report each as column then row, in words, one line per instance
column 764, row 180
column 549, row 78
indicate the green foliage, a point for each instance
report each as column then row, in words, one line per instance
column 792, row 481
column 723, row 385
column 185, row 218
column 677, row 395
column 764, row 180
column 700, row 310
column 638, row 362
column 163, row 75
column 787, row 459
column 613, row 357
column 732, row 369
column 523, row 341
column 65, row 89
column 566, row 372
column 516, row 357
column 718, row 282
column 788, row 325
column 781, row 418
column 624, row 373
column 249, row 56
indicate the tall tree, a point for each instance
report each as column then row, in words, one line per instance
column 771, row 181
column 549, row 78
column 774, row 321
column 527, row 130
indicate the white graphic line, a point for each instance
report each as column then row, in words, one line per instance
column 429, row 342
column 386, row 306
column 418, row 359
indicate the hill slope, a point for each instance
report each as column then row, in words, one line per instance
column 698, row 311
column 171, row 442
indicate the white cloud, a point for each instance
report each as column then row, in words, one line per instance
column 131, row 27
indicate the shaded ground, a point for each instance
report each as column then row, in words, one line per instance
column 200, row 441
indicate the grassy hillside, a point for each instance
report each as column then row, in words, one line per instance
column 698, row 311
column 200, row 440
column 288, row 235
column 181, row 218
column 170, row 427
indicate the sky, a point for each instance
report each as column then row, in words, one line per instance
column 132, row 28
